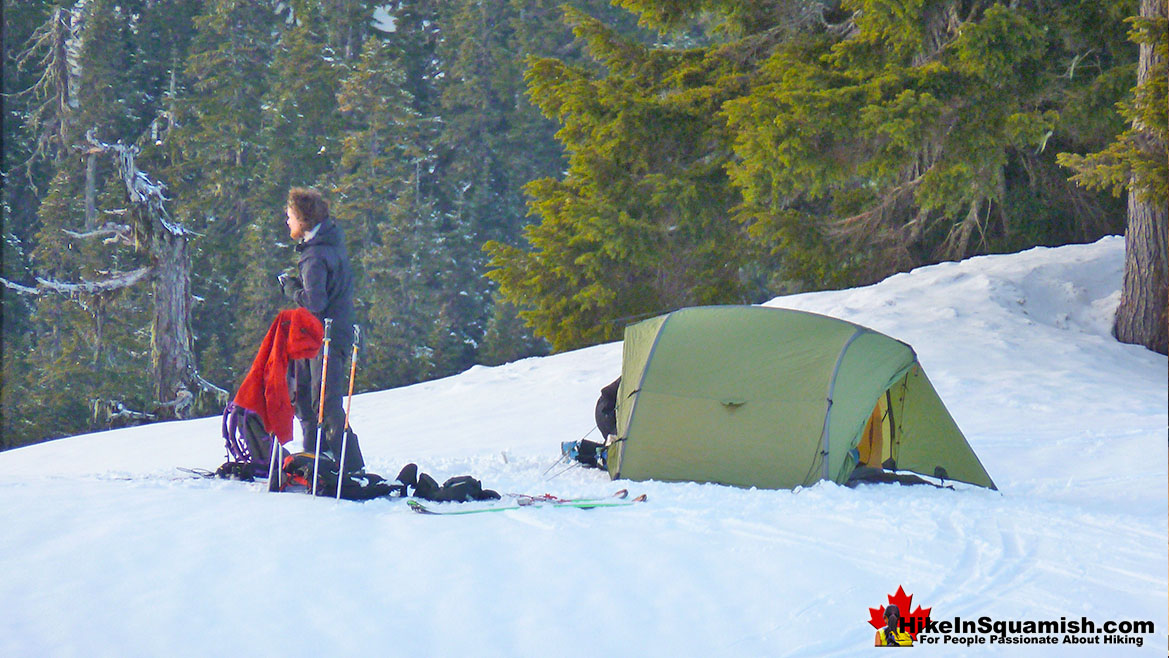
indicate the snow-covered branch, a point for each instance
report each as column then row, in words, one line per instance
column 115, row 410
column 16, row 287
column 111, row 232
column 116, row 282
column 140, row 188
column 207, row 386
column 181, row 405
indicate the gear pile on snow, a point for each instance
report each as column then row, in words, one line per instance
column 360, row 485
column 355, row 485
column 588, row 453
column 460, row 489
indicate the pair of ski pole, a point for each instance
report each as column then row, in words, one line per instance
column 275, row 473
column 321, row 411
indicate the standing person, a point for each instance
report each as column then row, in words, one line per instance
column 324, row 287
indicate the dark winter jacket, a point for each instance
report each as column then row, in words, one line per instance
column 328, row 281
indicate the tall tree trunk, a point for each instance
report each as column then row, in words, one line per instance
column 171, row 351
column 91, row 190
column 172, row 356
column 176, row 379
column 1141, row 318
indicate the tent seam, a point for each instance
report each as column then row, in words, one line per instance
column 832, row 392
column 640, row 382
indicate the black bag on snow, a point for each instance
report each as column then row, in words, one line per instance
column 298, row 470
column 461, row 489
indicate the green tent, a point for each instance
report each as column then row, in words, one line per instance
column 774, row 398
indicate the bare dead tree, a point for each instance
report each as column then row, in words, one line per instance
column 49, row 51
column 151, row 231
column 171, row 344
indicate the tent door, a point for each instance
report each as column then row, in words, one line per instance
column 877, row 438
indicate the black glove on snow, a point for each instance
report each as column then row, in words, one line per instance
column 290, row 285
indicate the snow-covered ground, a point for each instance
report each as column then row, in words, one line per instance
column 105, row 550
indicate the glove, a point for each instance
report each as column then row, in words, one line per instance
column 290, row 285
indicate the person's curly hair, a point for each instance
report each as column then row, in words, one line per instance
column 309, row 205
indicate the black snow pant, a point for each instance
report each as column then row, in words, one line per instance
column 305, row 385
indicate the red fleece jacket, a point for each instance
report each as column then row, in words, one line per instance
column 294, row 334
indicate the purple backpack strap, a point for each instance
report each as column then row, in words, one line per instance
column 235, row 438
column 237, row 446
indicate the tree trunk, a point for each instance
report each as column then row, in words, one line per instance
column 171, row 351
column 1141, row 318
column 171, row 346
column 172, row 356
column 91, row 190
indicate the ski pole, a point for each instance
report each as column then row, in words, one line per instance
column 348, row 406
column 321, row 412
column 564, row 457
column 275, row 472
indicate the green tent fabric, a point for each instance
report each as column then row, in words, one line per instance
column 774, row 398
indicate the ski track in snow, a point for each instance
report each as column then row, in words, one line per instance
column 107, row 550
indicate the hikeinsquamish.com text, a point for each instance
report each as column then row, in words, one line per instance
column 988, row 631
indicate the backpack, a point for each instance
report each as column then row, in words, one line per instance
column 249, row 447
column 606, row 410
column 589, row 453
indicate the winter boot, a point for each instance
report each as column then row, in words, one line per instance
column 308, row 434
column 570, row 449
column 427, row 488
column 408, row 475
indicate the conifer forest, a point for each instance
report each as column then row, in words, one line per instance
column 518, row 177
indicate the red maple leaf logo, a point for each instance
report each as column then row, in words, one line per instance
column 911, row 622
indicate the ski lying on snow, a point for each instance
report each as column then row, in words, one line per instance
column 527, row 499
column 197, row 472
column 204, row 474
column 615, row 500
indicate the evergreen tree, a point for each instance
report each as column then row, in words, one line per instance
column 215, row 157
column 1137, row 162
column 347, row 25
column 480, row 72
column 86, row 358
column 481, row 82
column 905, row 135
column 507, row 338
column 382, row 155
column 66, row 326
column 639, row 224
column 298, row 144
column 25, row 177
column 495, row 141
column 108, row 97
column 231, row 113
column 427, row 242
column 747, row 146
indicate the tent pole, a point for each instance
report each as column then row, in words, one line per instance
column 831, row 392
